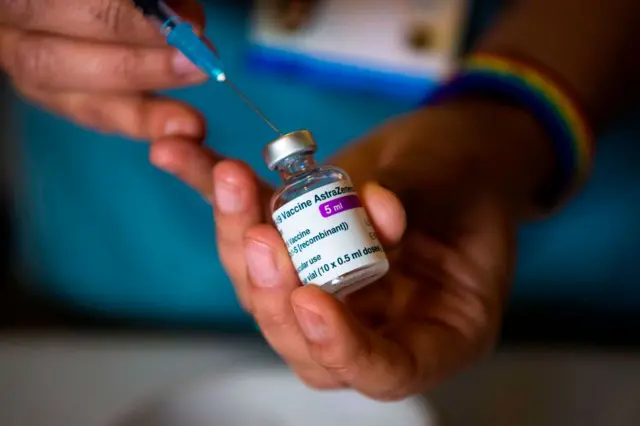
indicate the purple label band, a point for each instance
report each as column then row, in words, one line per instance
column 339, row 205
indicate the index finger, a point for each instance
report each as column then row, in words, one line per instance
column 103, row 20
column 237, row 207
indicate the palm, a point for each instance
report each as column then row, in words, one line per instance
column 442, row 297
column 450, row 272
column 439, row 305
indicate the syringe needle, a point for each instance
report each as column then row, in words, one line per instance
column 199, row 50
column 253, row 107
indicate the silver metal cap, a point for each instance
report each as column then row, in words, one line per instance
column 298, row 142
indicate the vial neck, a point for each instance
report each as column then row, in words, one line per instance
column 295, row 166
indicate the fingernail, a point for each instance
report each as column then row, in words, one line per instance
column 182, row 127
column 312, row 325
column 261, row 264
column 182, row 66
column 228, row 197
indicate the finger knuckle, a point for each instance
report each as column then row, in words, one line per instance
column 229, row 241
column 318, row 379
column 32, row 61
column 347, row 364
column 128, row 65
column 271, row 320
column 20, row 10
column 134, row 120
column 109, row 14
column 278, row 331
column 477, row 322
column 94, row 115
column 346, row 368
column 347, row 372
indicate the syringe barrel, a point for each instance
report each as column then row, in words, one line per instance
column 180, row 34
column 183, row 38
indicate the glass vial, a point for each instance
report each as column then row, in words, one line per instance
column 330, row 239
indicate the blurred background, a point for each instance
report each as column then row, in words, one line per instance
column 112, row 293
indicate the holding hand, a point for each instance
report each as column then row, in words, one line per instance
column 451, row 247
column 96, row 62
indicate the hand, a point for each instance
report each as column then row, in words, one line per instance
column 96, row 62
column 457, row 169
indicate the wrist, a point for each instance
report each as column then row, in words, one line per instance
column 461, row 149
column 525, row 84
column 510, row 149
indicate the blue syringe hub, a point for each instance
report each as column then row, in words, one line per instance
column 183, row 38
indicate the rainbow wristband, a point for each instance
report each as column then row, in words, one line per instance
column 538, row 91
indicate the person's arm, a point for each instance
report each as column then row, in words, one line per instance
column 591, row 44
column 463, row 170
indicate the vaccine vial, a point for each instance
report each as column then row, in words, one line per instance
column 330, row 239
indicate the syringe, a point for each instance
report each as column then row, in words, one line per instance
column 199, row 50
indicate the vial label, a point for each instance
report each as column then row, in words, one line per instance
column 328, row 233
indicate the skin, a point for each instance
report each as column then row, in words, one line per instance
column 452, row 249
column 450, row 184
column 98, row 62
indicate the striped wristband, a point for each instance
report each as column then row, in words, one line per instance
column 535, row 89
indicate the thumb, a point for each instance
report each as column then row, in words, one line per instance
column 386, row 212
